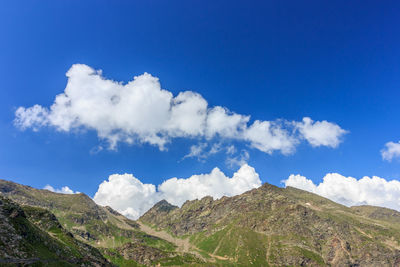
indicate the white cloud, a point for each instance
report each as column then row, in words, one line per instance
column 226, row 124
column 197, row 151
column 33, row 117
column 350, row 191
column 239, row 160
column 188, row 115
column 391, row 150
column 320, row 133
column 268, row 136
column 230, row 150
column 126, row 194
column 202, row 151
column 131, row 197
column 140, row 111
column 63, row 190
column 215, row 184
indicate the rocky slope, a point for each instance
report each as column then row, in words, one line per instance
column 268, row 226
column 31, row 235
column 272, row 226
column 117, row 238
column 78, row 213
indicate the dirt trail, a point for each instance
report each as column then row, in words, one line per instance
column 183, row 245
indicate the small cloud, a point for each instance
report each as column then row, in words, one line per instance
column 321, row 133
column 230, row 150
column 197, row 151
column 215, row 149
column 63, row 190
column 239, row 160
column 96, row 149
column 391, row 151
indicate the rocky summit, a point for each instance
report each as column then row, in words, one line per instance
column 267, row 226
column 272, row 226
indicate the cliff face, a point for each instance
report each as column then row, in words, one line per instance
column 276, row 226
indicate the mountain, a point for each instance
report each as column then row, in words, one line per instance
column 103, row 229
column 267, row 226
column 272, row 226
column 31, row 235
column 78, row 213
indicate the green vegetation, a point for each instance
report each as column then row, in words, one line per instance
column 273, row 226
column 34, row 233
column 179, row 259
column 269, row 226
column 113, row 256
column 75, row 225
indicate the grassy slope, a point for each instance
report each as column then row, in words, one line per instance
column 97, row 226
column 77, row 213
column 267, row 226
column 45, row 243
column 276, row 226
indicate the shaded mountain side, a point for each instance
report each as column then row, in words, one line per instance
column 78, row 213
column 30, row 235
column 158, row 212
column 281, row 226
column 118, row 239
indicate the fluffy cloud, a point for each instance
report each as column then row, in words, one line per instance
column 33, row 117
column 320, row 133
column 269, row 136
column 350, row 191
column 63, row 190
column 390, row 151
column 140, row 111
column 132, row 198
column 126, row 194
column 226, row 124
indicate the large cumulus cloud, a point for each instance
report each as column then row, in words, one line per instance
column 131, row 197
column 141, row 111
column 349, row 191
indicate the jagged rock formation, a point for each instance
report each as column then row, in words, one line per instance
column 284, row 226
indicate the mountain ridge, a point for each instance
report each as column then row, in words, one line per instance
column 31, row 235
column 118, row 238
column 290, row 226
column 266, row 226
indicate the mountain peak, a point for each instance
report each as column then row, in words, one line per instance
column 163, row 206
column 284, row 226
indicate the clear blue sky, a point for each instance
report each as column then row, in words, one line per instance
column 337, row 61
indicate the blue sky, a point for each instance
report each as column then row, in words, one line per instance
column 336, row 61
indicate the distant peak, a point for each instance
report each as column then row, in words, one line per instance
column 163, row 206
